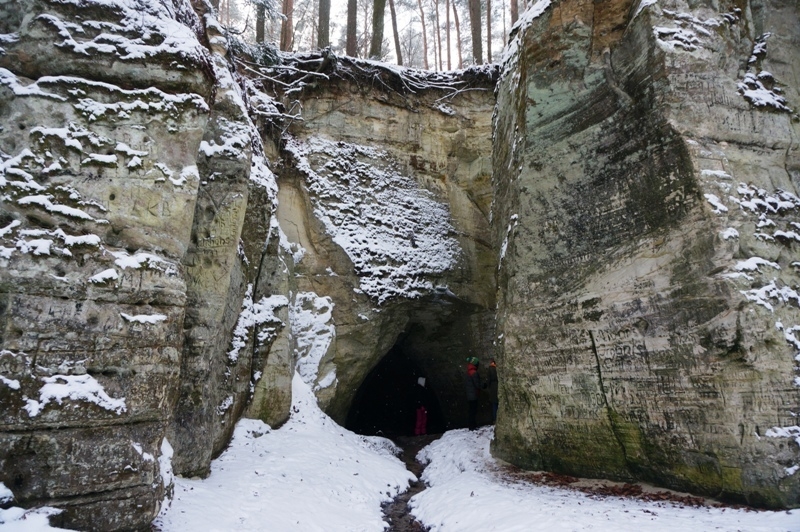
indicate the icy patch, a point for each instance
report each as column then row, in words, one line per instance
column 45, row 202
column 253, row 315
column 792, row 432
column 787, row 235
column 642, row 5
column 5, row 494
column 11, row 81
column 715, row 202
column 293, row 249
column 669, row 39
column 104, row 276
column 225, row 405
column 721, row 174
column 11, row 383
column 7, row 229
column 763, row 295
column 76, row 388
column 327, row 380
column 167, row 476
column 40, row 246
column 760, row 87
column 313, row 331
column 789, row 335
column 729, row 233
column 755, row 92
column 147, row 457
column 263, row 176
column 144, row 318
column 189, row 173
column 513, row 222
column 154, row 24
column 139, row 260
column 753, row 263
column 396, row 233
column 233, row 142
column 511, row 52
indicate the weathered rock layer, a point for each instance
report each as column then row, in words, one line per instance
column 622, row 235
column 646, row 205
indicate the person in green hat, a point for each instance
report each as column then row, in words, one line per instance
column 472, row 385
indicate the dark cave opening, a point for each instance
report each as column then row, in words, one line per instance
column 385, row 403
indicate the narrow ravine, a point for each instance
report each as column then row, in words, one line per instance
column 397, row 513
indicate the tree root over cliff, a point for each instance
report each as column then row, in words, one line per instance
column 292, row 76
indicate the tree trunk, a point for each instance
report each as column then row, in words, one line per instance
column 424, row 35
column 488, row 31
column 438, row 34
column 215, row 5
column 261, row 18
column 447, row 30
column 475, row 26
column 396, row 33
column 352, row 22
column 514, row 11
column 458, row 37
column 378, row 10
column 324, row 27
column 287, row 27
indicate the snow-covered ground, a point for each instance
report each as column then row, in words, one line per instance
column 313, row 475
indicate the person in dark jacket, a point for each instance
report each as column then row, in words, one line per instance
column 472, row 385
column 492, row 388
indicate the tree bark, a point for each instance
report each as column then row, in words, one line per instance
column 447, row 33
column 378, row 10
column 438, row 34
column 351, row 47
column 261, row 18
column 514, row 11
column 324, row 26
column 475, row 26
column 488, row 31
column 396, row 33
column 424, row 35
column 287, row 26
column 458, row 37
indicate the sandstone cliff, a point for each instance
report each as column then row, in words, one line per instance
column 646, row 173
column 179, row 234
column 126, row 175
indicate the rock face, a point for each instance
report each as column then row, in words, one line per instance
column 149, row 297
column 646, row 173
column 622, row 234
column 391, row 206
column 126, row 172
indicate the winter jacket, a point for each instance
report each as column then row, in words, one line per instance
column 472, row 382
column 492, row 390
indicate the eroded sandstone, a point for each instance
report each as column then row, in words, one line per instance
column 647, row 286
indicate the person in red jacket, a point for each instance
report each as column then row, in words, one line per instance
column 472, row 385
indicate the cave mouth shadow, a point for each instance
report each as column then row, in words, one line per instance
column 385, row 403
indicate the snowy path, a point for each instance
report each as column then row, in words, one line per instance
column 313, row 475
column 398, row 512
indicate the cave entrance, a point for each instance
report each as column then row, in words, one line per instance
column 385, row 403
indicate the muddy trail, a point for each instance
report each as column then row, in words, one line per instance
column 397, row 512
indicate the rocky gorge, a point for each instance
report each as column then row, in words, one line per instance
column 612, row 213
